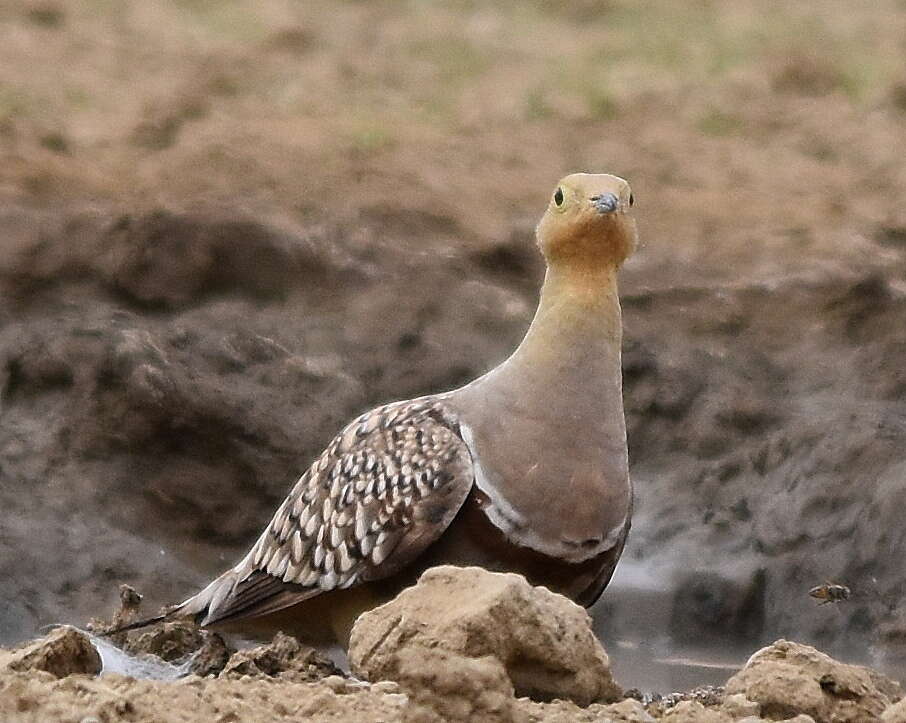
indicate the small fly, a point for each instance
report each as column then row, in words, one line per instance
column 830, row 592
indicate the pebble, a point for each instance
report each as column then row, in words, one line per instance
column 385, row 686
column 336, row 683
column 738, row 706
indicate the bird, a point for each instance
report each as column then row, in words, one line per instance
column 525, row 469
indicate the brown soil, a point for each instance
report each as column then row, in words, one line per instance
column 52, row 679
column 40, row 697
column 227, row 228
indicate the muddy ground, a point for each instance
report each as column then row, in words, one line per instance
column 227, row 228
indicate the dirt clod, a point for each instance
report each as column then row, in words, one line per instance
column 177, row 641
column 789, row 679
column 65, row 651
column 691, row 711
column 448, row 686
column 543, row 640
column 895, row 713
column 738, row 706
column 285, row 657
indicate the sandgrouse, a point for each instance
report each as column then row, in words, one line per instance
column 524, row 469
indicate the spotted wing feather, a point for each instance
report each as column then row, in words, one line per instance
column 385, row 488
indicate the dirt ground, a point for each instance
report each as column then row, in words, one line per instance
column 225, row 228
column 72, row 675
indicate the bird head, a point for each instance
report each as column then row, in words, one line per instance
column 588, row 225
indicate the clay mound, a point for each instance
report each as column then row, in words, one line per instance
column 166, row 261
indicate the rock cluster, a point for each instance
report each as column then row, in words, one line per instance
column 284, row 656
column 463, row 644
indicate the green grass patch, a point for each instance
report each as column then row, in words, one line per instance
column 719, row 123
column 370, row 139
column 601, row 104
column 536, row 105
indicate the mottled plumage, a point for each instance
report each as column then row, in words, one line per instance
column 385, row 488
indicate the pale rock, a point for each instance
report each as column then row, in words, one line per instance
column 65, row 651
column 788, row 679
column 543, row 641
column 738, row 706
column 387, row 687
column 628, row 711
column 691, row 711
column 337, row 683
column 565, row 711
column 447, row 686
column 895, row 713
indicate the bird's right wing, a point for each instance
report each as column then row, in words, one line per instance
column 384, row 489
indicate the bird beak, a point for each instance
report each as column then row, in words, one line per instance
column 605, row 203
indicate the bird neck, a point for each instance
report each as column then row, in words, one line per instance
column 569, row 360
column 562, row 389
column 578, row 324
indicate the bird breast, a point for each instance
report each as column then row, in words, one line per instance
column 571, row 504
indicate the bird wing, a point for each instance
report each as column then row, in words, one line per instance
column 385, row 488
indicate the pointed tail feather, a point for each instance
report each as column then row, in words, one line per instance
column 205, row 604
column 135, row 625
column 198, row 608
column 240, row 592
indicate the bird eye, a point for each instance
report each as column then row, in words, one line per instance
column 631, row 199
column 558, row 196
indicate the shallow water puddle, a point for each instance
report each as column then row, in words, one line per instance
column 146, row 667
column 634, row 617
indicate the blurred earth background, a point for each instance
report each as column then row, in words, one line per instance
column 226, row 228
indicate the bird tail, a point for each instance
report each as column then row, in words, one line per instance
column 197, row 608
column 137, row 624
column 217, row 601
